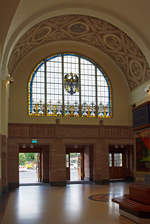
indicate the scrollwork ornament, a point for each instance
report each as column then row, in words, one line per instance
column 136, row 69
column 91, row 31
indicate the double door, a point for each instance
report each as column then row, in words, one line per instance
column 120, row 163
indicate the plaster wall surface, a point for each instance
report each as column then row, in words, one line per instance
column 18, row 112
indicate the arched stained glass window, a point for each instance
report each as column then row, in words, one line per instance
column 69, row 85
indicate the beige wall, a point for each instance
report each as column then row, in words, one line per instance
column 0, row 104
column 4, row 92
column 18, row 90
column 4, row 106
column 139, row 96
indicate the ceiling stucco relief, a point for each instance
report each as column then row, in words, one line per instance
column 98, row 33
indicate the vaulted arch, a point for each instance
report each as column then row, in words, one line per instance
column 92, row 31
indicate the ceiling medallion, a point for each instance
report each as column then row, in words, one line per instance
column 78, row 28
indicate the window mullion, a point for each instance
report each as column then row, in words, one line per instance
column 96, row 112
column 45, row 83
column 63, row 109
column 80, row 109
column 43, row 107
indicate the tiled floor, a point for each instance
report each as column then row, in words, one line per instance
column 64, row 205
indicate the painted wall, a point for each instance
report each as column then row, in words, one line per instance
column 139, row 95
column 4, row 92
column 18, row 91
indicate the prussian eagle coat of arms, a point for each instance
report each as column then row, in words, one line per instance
column 71, row 83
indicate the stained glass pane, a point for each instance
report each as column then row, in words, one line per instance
column 88, row 88
column 37, row 91
column 70, row 85
column 54, row 86
column 103, row 95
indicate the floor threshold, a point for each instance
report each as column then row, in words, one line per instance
column 31, row 184
column 79, row 182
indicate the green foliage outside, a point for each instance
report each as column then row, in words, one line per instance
column 73, row 154
column 30, row 157
column 26, row 158
column 22, row 159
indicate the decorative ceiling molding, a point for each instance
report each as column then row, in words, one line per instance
column 92, row 31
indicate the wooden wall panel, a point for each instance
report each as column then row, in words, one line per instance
column 116, row 132
column 58, row 136
column 3, row 157
column 68, row 131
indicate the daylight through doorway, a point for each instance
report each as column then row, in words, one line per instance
column 75, row 166
column 29, row 168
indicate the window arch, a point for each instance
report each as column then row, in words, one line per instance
column 69, row 85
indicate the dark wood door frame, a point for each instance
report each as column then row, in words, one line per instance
column 44, row 155
column 126, row 170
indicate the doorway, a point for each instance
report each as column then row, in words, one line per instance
column 29, row 167
column 33, row 164
column 79, row 163
column 120, row 161
column 74, row 166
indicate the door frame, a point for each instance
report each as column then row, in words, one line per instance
column 43, row 150
column 74, row 150
column 126, row 171
column 83, row 149
column 32, row 150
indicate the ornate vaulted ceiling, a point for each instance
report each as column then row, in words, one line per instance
column 92, row 31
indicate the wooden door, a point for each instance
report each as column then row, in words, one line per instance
column 67, row 166
column 81, row 165
column 118, row 165
column 39, row 166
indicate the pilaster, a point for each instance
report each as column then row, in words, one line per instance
column 101, row 166
column 57, row 163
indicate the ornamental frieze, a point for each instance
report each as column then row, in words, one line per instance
column 92, row 31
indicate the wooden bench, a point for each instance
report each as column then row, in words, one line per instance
column 135, row 208
column 136, row 205
column 140, row 193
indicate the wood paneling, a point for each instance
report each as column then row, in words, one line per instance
column 58, row 137
column 68, row 131
column 3, row 157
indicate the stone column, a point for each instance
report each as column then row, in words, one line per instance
column 101, row 165
column 57, row 163
column 4, row 95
